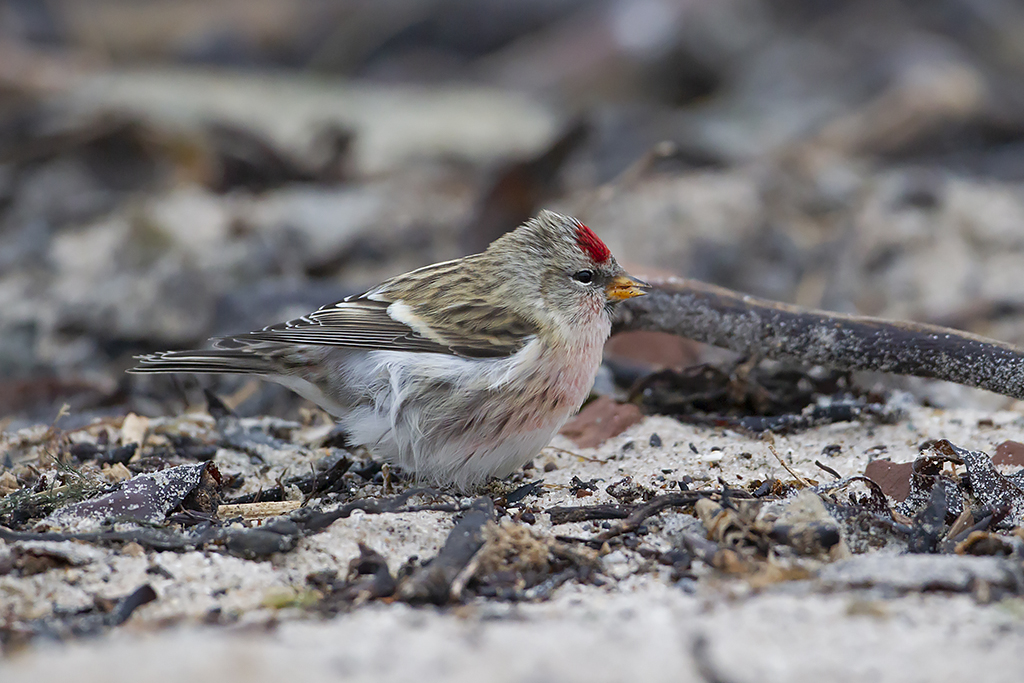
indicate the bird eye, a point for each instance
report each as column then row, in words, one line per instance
column 584, row 276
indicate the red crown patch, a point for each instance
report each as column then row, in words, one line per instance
column 591, row 244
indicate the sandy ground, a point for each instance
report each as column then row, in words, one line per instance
column 641, row 631
column 639, row 626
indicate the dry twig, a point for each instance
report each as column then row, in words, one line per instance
column 769, row 441
column 767, row 329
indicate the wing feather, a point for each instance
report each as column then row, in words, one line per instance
column 362, row 322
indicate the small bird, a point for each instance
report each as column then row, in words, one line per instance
column 457, row 372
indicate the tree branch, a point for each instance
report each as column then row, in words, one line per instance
column 767, row 329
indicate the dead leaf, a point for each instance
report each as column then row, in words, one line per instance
column 893, row 477
column 601, row 420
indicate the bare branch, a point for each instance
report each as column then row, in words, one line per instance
column 767, row 329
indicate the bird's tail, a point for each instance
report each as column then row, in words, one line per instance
column 214, row 361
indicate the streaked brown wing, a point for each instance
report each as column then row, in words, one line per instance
column 363, row 323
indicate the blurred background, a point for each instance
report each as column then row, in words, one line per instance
column 176, row 169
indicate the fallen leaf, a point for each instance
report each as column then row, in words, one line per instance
column 893, row 477
column 1009, row 453
column 600, row 420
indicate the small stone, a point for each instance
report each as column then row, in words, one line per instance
column 133, row 549
column 655, row 441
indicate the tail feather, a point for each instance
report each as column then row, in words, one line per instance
column 213, row 361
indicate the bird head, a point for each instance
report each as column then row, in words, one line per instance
column 565, row 268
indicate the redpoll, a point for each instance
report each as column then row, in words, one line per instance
column 458, row 371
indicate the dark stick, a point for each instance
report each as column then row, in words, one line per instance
column 651, row 508
column 561, row 514
column 767, row 329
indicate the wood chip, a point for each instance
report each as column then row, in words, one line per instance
column 134, row 429
column 258, row 510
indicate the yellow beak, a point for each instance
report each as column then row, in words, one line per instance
column 625, row 287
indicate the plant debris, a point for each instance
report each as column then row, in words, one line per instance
column 146, row 498
column 758, row 398
column 434, row 582
column 602, row 528
column 104, row 614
